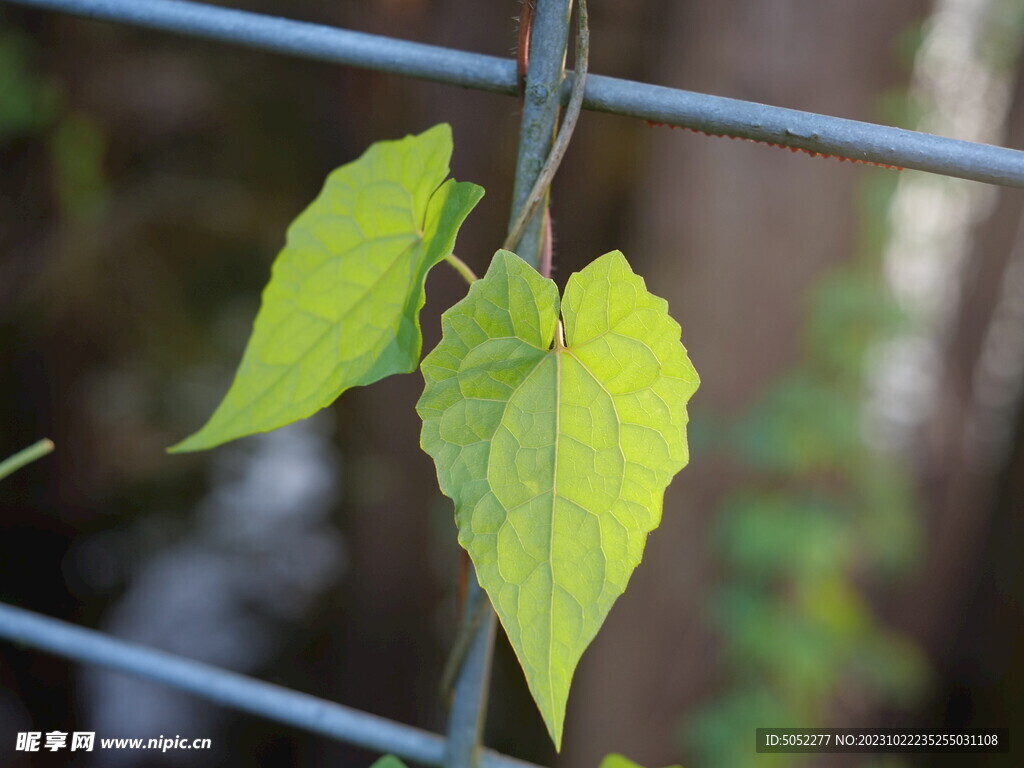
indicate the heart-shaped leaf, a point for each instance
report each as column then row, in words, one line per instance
column 556, row 451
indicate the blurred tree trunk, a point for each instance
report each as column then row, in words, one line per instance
column 962, row 605
column 715, row 218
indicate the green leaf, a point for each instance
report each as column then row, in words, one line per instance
column 615, row 760
column 388, row 761
column 342, row 305
column 557, row 455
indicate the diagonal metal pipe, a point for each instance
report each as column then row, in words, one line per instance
column 702, row 112
column 233, row 690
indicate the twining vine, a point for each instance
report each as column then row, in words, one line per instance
column 555, row 421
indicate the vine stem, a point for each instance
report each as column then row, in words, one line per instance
column 472, row 615
column 462, row 268
column 537, row 161
column 472, row 680
column 539, row 191
column 25, row 456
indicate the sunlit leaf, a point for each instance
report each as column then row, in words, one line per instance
column 342, row 305
column 556, row 452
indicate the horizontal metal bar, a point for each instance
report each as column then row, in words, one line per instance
column 815, row 133
column 712, row 114
column 234, row 690
column 299, row 38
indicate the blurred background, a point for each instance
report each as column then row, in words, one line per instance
column 844, row 548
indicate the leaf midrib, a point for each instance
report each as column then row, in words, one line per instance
column 554, row 504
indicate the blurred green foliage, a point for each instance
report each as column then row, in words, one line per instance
column 28, row 101
column 822, row 518
column 77, row 147
column 33, row 106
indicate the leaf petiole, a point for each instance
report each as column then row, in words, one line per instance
column 560, row 336
column 461, row 267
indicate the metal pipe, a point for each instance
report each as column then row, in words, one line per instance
column 232, row 689
column 548, row 40
column 702, row 112
column 298, row 38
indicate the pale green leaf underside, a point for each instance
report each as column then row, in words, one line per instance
column 342, row 305
column 557, row 457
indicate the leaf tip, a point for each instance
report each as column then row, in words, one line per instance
column 441, row 128
column 185, row 446
column 505, row 258
column 553, row 713
column 200, row 440
column 442, row 132
column 554, row 730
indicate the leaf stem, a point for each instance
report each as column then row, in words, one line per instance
column 540, row 188
column 545, row 75
column 25, row 456
column 462, row 268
